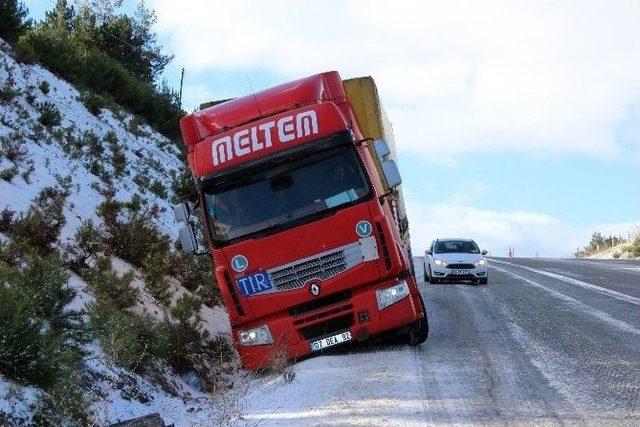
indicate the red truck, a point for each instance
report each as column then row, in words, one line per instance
column 300, row 200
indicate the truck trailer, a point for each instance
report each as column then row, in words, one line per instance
column 300, row 202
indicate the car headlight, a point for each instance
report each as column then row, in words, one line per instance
column 392, row 295
column 481, row 262
column 256, row 336
column 440, row 262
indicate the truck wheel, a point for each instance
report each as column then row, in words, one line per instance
column 421, row 328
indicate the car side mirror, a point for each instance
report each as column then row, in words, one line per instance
column 484, row 252
column 391, row 173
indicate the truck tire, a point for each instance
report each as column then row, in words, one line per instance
column 421, row 329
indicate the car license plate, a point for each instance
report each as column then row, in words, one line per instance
column 330, row 341
column 460, row 272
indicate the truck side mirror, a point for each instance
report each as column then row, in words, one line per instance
column 391, row 173
column 182, row 212
column 484, row 252
column 188, row 239
column 381, row 148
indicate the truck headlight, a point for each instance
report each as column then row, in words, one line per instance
column 440, row 262
column 256, row 336
column 481, row 262
column 391, row 295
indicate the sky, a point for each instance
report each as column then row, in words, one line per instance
column 517, row 123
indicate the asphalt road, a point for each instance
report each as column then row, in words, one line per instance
column 547, row 341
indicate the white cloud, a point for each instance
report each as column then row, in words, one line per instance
column 528, row 233
column 456, row 76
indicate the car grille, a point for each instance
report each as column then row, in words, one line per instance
column 322, row 266
column 461, row 266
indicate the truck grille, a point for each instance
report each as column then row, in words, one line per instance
column 461, row 266
column 322, row 266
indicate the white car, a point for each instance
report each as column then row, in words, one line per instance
column 455, row 260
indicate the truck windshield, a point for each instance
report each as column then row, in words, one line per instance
column 456, row 246
column 286, row 194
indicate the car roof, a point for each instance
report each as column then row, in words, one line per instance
column 448, row 239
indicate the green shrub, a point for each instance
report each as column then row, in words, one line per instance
column 118, row 158
column 616, row 255
column 155, row 270
column 11, row 149
column 182, row 185
column 40, row 226
column 44, row 87
column 196, row 274
column 108, row 286
column 26, row 174
column 131, row 235
column 126, row 340
column 633, row 249
column 158, row 189
column 34, row 325
column 64, row 403
column 8, row 92
column 49, row 114
column 141, row 179
column 87, row 243
column 186, row 338
column 93, row 102
column 9, row 173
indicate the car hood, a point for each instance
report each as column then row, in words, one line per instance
column 458, row 257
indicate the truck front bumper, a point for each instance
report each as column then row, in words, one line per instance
column 355, row 311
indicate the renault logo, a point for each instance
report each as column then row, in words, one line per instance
column 314, row 289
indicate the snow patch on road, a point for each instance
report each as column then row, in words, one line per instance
column 377, row 387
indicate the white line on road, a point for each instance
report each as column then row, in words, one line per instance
column 578, row 304
column 618, row 295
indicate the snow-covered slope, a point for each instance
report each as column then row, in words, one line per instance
column 46, row 157
column 148, row 154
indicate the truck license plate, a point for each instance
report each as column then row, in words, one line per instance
column 330, row 341
column 460, row 272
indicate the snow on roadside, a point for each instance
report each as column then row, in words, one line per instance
column 324, row 391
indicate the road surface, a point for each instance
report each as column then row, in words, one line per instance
column 547, row 341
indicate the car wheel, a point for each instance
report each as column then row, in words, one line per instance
column 426, row 276
column 484, row 281
column 421, row 328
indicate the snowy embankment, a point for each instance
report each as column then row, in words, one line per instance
column 45, row 159
column 147, row 153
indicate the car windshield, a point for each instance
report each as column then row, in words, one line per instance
column 456, row 246
column 286, row 194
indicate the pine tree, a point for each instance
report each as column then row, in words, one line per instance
column 12, row 19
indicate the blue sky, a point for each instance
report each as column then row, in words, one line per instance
column 517, row 124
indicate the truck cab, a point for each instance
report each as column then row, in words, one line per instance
column 299, row 196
